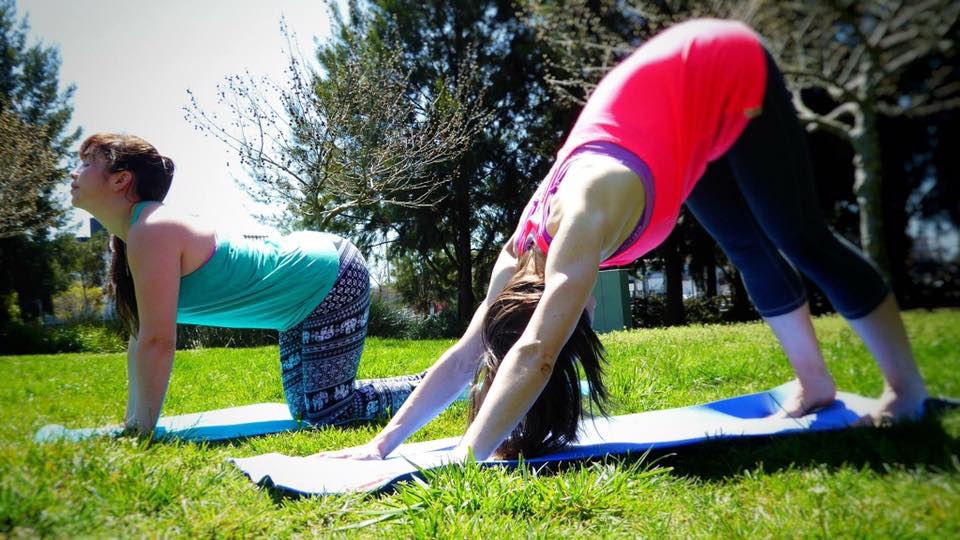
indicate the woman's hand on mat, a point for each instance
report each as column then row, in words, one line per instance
column 369, row 451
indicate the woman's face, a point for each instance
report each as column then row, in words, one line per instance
column 89, row 183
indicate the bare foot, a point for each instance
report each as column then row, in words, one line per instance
column 893, row 407
column 808, row 397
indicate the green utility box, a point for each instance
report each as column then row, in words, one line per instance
column 613, row 302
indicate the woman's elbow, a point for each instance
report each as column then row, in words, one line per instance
column 541, row 358
column 156, row 343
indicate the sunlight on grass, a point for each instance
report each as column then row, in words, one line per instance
column 901, row 481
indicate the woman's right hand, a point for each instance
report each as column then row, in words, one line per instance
column 444, row 381
column 364, row 452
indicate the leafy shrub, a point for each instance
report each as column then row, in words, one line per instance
column 26, row 338
column 35, row 338
column 78, row 303
column 648, row 311
column 203, row 337
column 393, row 321
column 388, row 320
column 100, row 338
column 703, row 310
column 111, row 337
column 439, row 325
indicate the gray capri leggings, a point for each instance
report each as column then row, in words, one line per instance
column 759, row 203
column 320, row 355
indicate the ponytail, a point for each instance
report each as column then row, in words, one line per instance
column 123, row 291
column 552, row 421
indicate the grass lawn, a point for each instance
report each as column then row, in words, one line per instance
column 893, row 482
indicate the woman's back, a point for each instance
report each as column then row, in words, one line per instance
column 232, row 281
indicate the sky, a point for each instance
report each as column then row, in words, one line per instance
column 132, row 62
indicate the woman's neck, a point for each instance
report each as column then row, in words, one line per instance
column 116, row 218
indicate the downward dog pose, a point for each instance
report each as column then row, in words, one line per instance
column 167, row 268
column 703, row 91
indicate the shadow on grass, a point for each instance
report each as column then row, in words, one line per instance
column 923, row 443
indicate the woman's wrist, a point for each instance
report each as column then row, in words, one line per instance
column 383, row 445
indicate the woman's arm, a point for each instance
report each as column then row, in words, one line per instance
column 446, row 378
column 129, row 416
column 570, row 274
column 153, row 253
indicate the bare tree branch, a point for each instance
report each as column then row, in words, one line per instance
column 356, row 136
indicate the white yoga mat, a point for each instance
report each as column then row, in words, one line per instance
column 743, row 416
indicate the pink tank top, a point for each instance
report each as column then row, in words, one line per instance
column 677, row 103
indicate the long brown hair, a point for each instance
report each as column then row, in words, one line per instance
column 152, row 175
column 552, row 421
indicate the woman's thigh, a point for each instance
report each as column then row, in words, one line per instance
column 771, row 281
column 772, row 168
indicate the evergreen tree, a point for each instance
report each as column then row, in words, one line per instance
column 459, row 238
column 34, row 117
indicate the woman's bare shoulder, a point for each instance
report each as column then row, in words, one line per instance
column 605, row 191
column 600, row 186
column 160, row 220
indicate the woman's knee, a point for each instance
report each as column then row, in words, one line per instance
column 807, row 243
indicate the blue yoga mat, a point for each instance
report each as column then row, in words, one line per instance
column 743, row 416
column 218, row 425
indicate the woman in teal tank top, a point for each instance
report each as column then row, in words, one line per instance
column 168, row 268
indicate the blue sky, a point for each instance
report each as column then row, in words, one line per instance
column 132, row 62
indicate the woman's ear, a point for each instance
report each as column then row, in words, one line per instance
column 120, row 181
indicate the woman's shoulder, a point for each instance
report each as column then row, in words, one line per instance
column 154, row 221
column 600, row 177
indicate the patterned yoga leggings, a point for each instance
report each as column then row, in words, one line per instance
column 320, row 355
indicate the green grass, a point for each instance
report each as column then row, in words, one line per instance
column 894, row 482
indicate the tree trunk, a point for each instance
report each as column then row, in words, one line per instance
column 463, row 204
column 83, row 288
column 741, row 300
column 464, row 278
column 711, row 277
column 462, row 251
column 673, row 270
column 868, row 188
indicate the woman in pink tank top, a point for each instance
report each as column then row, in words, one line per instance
column 698, row 114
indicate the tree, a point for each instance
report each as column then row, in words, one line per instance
column 85, row 259
column 35, row 269
column 461, row 236
column 417, row 284
column 34, row 116
column 859, row 52
column 33, row 121
column 347, row 138
column 26, row 174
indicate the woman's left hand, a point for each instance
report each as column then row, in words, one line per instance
column 368, row 451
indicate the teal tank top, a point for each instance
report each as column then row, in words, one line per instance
column 258, row 283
